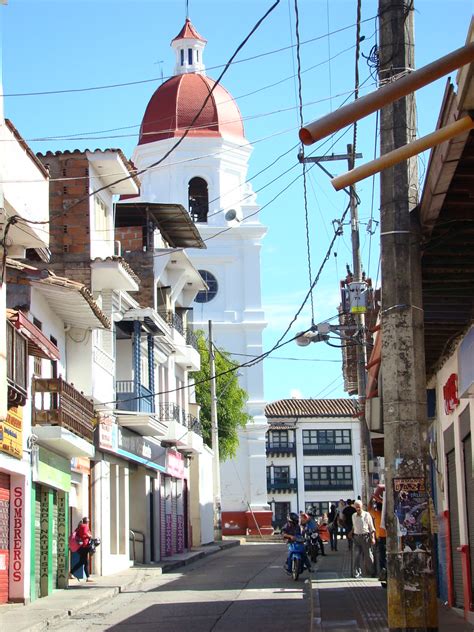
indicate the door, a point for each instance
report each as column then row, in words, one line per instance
column 467, row 443
column 174, row 516
column 4, row 535
column 454, row 529
column 281, row 512
column 162, row 516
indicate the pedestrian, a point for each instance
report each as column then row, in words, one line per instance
column 375, row 511
column 348, row 512
column 340, row 518
column 83, row 537
column 363, row 536
column 332, row 527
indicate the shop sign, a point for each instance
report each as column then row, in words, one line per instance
column 450, row 394
column 11, row 437
column 168, row 536
column 107, row 433
column 175, row 464
column 18, row 519
column 81, row 464
column 180, row 533
column 140, row 449
column 53, row 470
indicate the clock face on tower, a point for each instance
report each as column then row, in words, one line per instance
column 204, row 296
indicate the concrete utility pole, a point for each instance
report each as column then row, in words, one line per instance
column 412, row 601
column 215, row 442
column 361, row 348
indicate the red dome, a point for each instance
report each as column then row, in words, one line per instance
column 174, row 105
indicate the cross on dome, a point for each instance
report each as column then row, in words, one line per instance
column 188, row 46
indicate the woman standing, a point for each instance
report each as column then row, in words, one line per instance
column 332, row 528
column 83, row 537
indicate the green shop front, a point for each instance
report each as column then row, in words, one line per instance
column 49, row 530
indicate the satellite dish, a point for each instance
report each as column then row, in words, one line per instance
column 230, row 215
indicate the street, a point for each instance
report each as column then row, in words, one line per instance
column 243, row 588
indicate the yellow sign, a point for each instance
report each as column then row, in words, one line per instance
column 11, row 437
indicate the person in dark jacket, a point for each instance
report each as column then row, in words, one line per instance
column 290, row 531
column 83, row 536
column 332, row 527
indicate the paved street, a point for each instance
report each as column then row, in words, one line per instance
column 243, row 588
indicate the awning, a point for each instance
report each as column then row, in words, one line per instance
column 373, row 366
column 38, row 344
column 72, row 302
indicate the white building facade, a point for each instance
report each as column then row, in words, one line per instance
column 313, row 455
column 206, row 173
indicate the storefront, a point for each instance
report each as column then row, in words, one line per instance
column 173, row 506
column 50, row 523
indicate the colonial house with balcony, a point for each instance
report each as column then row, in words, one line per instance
column 23, row 225
column 313, row 455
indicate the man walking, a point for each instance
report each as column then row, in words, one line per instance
column 363, row 535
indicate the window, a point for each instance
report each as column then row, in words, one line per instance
column 327, row 442
column 281, row 473
column 190, row 56
column 197, row 56
column 204, row 296
column 317, row 508
column 198, row 199
column 280, row 513
column 182, row 56
column 327, row 477
column 278, row 438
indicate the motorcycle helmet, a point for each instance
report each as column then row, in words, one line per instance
column 292, row 517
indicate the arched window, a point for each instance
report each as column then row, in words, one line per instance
column 204, row 296
column 198, row 197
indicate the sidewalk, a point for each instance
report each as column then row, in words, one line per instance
column 40, row 614
column 340, row 603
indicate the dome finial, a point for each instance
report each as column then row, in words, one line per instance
column 187, row 9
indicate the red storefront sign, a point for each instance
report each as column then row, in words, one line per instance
column 175, row 464
column 450, row 394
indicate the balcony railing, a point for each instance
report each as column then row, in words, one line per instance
column 60, row 404
column 326, row 449
column 281, row 448
column 169, row 411
column 191, row 339
column 133, row 397
column 312, row 486
column 17, row 366
column 174, row 320
column 194, row 424
column 281, row 484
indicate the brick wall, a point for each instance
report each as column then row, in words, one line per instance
column 131, row 238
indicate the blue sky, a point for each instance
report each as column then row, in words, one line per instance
column 70, row 44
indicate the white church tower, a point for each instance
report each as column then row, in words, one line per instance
column 207, row 174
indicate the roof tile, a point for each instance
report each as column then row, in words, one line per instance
column 311, row 408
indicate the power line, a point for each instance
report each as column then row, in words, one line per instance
column 155, row 79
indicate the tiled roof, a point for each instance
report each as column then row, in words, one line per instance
column 311, row 408
column 188, row 32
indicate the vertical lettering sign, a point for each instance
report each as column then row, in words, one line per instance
column 44, row 543
column 18, row 527
column 62, row 550
column 450, row 394
column 168, row 536
column 180, row 533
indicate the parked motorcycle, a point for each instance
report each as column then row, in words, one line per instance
column 296, row 550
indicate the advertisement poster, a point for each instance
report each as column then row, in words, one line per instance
column 412, row 509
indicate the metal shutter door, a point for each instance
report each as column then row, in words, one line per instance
column 469, row 500
column 174, row 516
column 162, row 516
column 454, row 528
column 4, row 535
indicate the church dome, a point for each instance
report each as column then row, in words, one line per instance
column 176, row 102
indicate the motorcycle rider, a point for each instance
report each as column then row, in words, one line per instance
column 310, row 526
column 290, row 531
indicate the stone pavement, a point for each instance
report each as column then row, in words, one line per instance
column 42, row 613
column 341, row 603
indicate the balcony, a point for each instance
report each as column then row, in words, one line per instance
column 191, row 339
column 63, row 417
column 326, row 449
column 281, row 485
column 318, row 486
column 281, row 449
column 17, row 366
column 133, row 397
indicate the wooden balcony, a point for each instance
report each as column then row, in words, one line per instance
column 57, row 403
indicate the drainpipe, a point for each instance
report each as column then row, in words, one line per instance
column 296, row 465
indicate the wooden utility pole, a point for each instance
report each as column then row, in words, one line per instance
column 412, row 601
column 215, row 441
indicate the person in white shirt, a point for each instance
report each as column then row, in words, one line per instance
column 363, row 535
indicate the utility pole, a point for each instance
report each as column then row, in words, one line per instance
column 412, row 601
column 361, row 346
column 215, row 441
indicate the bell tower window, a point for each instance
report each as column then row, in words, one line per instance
column 190, row 56
column 182, row 56
column 198, row 196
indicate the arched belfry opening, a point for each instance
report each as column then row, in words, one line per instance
column 198, row 199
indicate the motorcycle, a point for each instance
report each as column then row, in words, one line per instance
column 296, row 550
